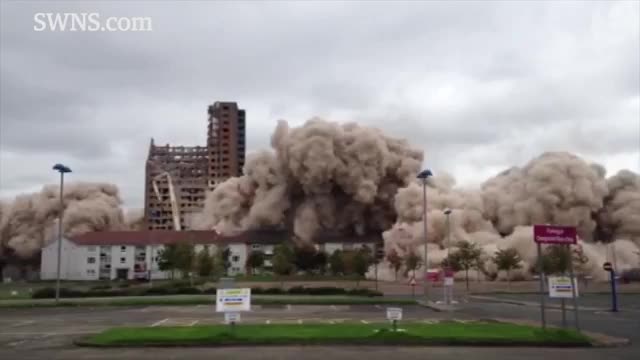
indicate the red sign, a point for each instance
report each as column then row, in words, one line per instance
column 554, row 234
column 433, row 276
column 413, row 281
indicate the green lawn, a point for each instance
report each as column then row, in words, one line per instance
column 206, row 299
column 446, row 333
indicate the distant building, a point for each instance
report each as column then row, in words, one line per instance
column 134, row 254
column 194, row 169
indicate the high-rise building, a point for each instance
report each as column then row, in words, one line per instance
column 225, row 142
column 192, row 170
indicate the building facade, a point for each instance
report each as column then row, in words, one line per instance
column 131, row 255
column 194, row 170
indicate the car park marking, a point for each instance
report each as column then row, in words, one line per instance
column 159, row 322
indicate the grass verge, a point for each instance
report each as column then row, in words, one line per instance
column 445, row 333
column 205, row 299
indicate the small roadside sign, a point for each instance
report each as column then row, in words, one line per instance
column 394, row 314
column 607, row 266
column 233, row 300
column 448, row 281
column 561, row 287
column 412, row 282
column 231, row 317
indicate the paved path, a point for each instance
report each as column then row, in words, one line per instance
column 48, row 332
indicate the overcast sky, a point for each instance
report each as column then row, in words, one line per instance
column 478, row 86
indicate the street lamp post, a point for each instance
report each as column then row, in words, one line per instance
column 62, row 169
column 424, row 175
column 448, row 290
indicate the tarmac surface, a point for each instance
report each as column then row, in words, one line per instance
column 48, row 333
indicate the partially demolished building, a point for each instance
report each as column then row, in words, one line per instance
column 178, row 177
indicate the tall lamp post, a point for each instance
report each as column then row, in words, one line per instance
column 447, row 288
column 62, row 169
column 424, row 175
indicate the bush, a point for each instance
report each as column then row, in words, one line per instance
column 187, row 290
column 101, row 287
column 50, row 293
column 326, row 291
column 297, row 290
column 630, row 275
column 363, row 292
column 273, row 291
column 123, row 285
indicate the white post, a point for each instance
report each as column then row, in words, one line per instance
column 59, row 238
column 426, row 259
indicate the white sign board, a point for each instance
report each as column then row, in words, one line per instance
column 231, row 317
column 448, row 281
column 231, row 300
column 394, row 313
column 560, row 287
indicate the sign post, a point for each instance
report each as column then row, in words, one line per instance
column 394, row 314
column 231, row 302
column 612, row 278
column 560, row 235
column 448, row 286
column 562, row 287
column 413, row 286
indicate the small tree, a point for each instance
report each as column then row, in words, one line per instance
column 205, row 263
column 255, row 260
column 555, row 259
column 320, row 262
column 224, row 260
column 580, row 260
column 336, row 263
column 305, row 258
column 282, row 261
column 167, row 259
column 412, row 262
column 507, row 260
column 395, row 262
column 185, row 256
column 361, row 262
column 466, row 257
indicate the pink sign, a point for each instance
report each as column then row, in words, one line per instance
column 554, row 234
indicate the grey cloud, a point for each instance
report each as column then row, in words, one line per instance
column 516, row 68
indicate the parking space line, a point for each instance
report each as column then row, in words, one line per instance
column 267, row 322
column 159, row 322
column 364, row 321
column 23, row 323
column 334, row 308
column 194, row 322
column 299, row 321
column 378, row 307
column 288, row 307
column 331, row 322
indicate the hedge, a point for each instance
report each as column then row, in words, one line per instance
column 180, row 289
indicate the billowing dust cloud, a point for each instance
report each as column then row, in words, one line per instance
column 28, row 222
column 329, row 177
column 324, row 176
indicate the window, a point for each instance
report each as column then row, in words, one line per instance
column 91, row 260
column 123, row 248
column 123, row 260
column 235, row 258
column 256, row 246
column 91, row 272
